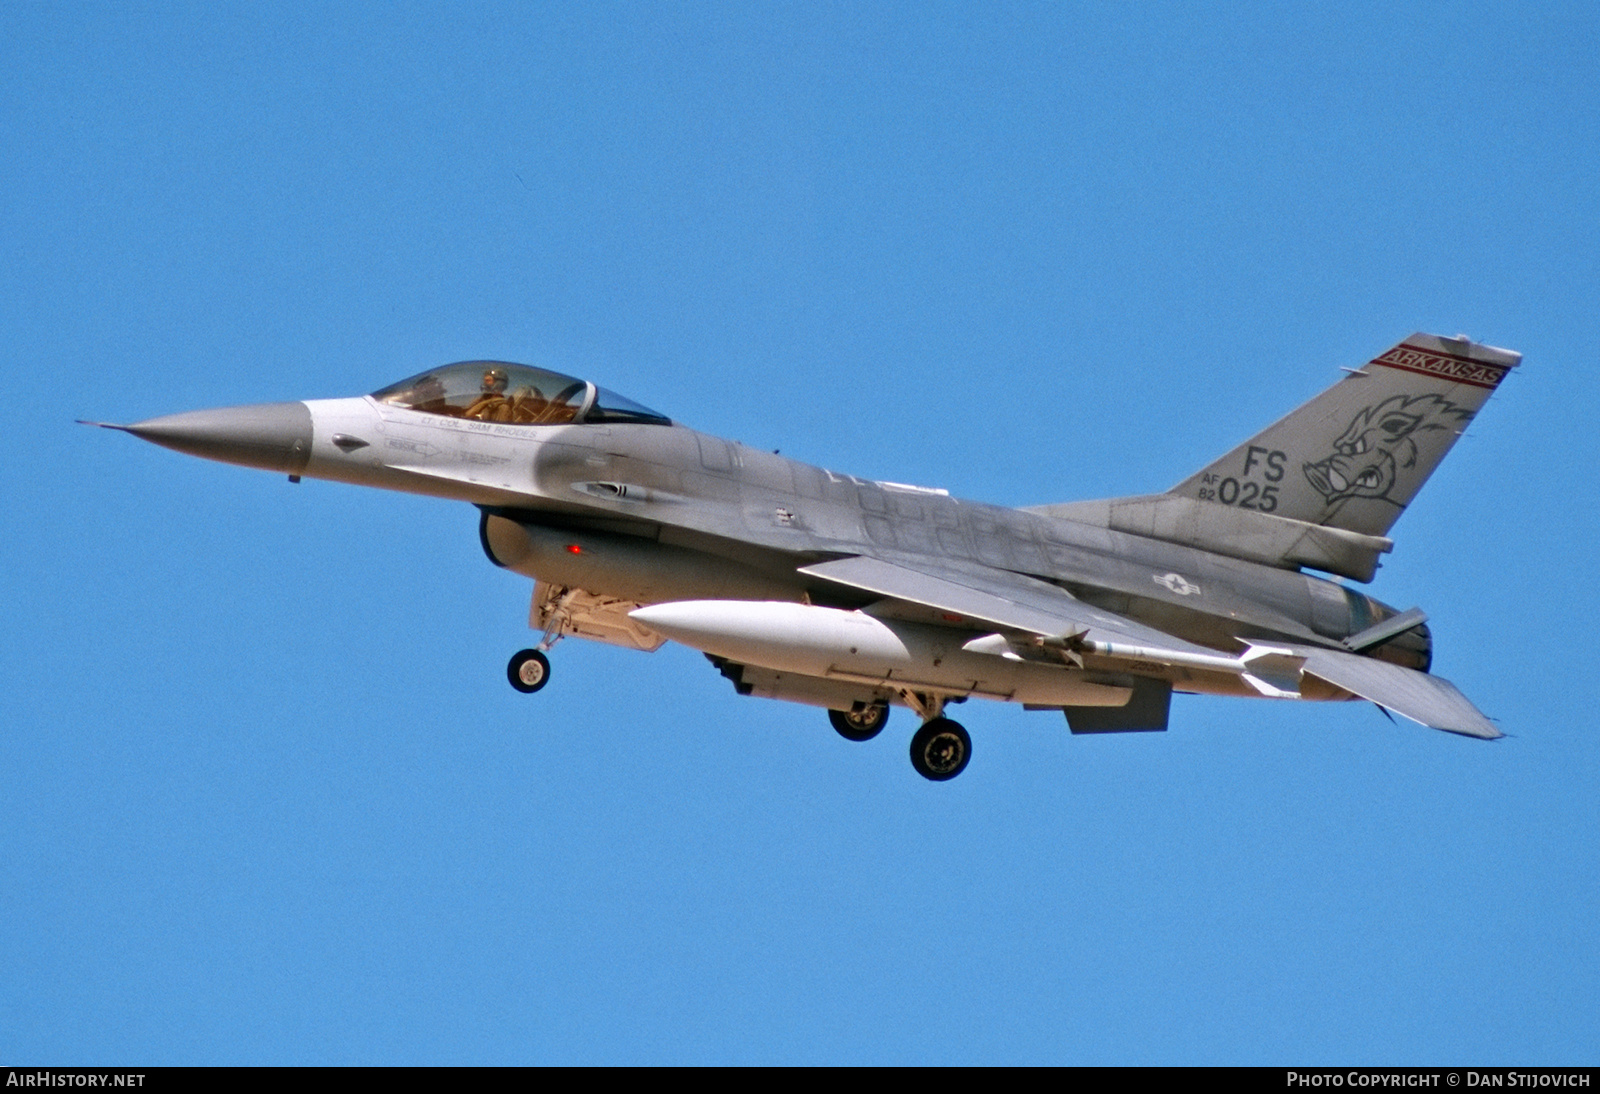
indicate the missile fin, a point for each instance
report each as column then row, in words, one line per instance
column 1273, row 671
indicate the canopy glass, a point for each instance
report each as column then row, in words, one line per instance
column 498, row 391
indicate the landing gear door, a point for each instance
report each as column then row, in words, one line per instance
column 560, row 611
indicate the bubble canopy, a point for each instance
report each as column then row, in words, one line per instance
column 498, row 391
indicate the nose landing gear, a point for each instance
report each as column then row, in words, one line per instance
column 528, row 671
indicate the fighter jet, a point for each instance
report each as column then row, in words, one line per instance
column 817, row 587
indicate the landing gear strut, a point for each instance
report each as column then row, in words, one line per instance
column 940, row 750
column 528, row 671
column 861, row 722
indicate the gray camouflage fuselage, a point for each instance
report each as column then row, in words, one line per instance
column 760, row 515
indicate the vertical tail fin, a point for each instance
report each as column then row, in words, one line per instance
column 1355, row 456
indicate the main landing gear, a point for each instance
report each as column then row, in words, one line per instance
column 861, row 722
column 528, row 671
column 939, row 750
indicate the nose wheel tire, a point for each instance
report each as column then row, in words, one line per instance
column 528, row 671
column 940, row 750
column 860, row 725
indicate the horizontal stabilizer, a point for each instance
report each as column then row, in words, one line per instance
column 1433, row 701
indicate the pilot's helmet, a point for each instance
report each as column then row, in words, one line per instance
column 494, row 380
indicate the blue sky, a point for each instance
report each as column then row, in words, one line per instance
column 267, row 798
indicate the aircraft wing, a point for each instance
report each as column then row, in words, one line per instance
column 1000, row 598
column 1431, row 700
column 1013, row 602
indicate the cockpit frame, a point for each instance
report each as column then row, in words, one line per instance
column 511, row 394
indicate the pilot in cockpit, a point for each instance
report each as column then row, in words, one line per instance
column 491, row 403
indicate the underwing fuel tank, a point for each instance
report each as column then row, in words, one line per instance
column 854, row 647
column 627, row 567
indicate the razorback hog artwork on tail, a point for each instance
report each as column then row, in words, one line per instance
column 816, row 587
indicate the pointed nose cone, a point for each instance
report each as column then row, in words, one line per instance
column 271, row 436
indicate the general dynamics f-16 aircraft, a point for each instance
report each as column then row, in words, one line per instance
column 817, row 587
